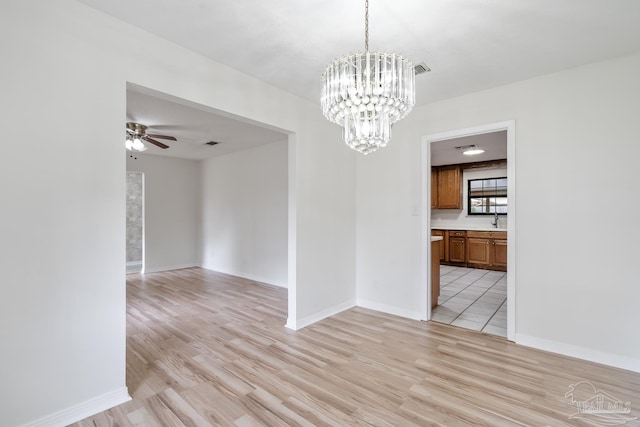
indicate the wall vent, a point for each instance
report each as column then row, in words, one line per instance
column 421, row 68
column 211, row 143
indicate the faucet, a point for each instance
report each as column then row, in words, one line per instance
column 495, row 220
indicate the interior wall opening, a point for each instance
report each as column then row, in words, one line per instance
column 469, row 228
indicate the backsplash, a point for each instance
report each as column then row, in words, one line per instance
column 460, row 219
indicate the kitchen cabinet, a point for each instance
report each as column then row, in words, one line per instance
column 487, row 249
column 441, row 244
column 475, row 249
column 500, row 254
column 457, row 242
column 446, row 187
column 434, row 188
column 435, row 272
column 479, row 252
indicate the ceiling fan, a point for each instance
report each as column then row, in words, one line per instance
column 136, row 133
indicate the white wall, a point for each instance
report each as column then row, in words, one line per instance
column 171, row 211
column 576, row 146
column 244, row 213
column 62, row 245
column 459, row 217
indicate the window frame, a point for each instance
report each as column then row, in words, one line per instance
column 469, row 197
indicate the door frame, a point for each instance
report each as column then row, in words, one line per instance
column 427, row 140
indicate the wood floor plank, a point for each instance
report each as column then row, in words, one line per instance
column 209, row 349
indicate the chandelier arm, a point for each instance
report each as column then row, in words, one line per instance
column 366, row 25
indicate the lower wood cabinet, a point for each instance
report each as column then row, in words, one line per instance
column 476, row 249
column 478, row 252
column 500, row 254
column 487, row 249
column 441, row 244
column 457, row 250
column 435, row 272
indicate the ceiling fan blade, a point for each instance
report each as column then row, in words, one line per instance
column 154, row 142
column 162, row 136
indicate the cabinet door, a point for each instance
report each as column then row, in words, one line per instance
column 435, row 273
column 449, row 188
column 499, row 255
column 456, row 249
column 440, row 242
column 434, row 188
column 479, row 252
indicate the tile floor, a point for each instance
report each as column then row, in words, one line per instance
column 473, row 299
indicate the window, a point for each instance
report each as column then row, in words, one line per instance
column 487, row 196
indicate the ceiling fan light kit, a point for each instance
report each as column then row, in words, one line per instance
column 366, row 93
column 134, row 144
column 136, row 133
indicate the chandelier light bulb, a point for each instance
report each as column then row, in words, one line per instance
column 128, row 144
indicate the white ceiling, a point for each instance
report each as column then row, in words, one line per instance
column 470, row 45
column 445, row 152
column 192, row 125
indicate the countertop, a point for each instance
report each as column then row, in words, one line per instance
column 436, row 238
column 470, row 228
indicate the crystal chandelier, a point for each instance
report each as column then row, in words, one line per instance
column 366, row 93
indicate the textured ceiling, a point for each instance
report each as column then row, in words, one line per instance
column 470, row 45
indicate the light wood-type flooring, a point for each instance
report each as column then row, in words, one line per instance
column 204, row 348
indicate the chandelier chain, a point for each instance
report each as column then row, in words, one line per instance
column 366, row 25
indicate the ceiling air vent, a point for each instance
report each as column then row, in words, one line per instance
column 212, row 143
column 421, row 68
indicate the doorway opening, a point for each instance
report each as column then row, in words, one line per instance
column 135, row 222
column 468, row 228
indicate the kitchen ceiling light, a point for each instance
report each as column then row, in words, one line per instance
column 473, row 151
column 366, row 93
column 470, row 150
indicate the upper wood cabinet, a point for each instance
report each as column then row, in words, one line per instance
column 446, row 187
column 434, row 188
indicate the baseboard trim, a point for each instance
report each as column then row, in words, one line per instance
column 389, row 309
column 168, row 268
column 82, row 410
column 597, row 356
column 316, row 317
